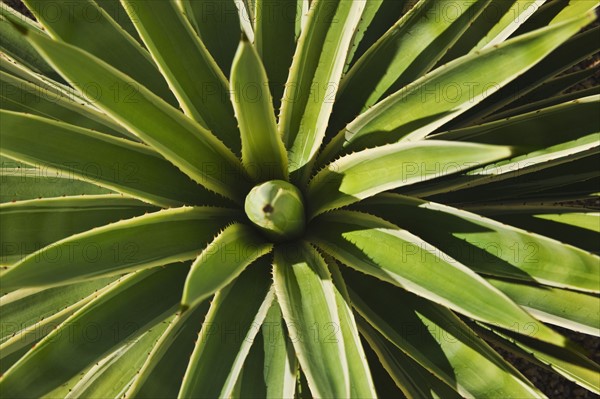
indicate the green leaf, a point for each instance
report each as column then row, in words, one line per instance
column 115, row 9
column 361, row 383
column 383, row 250
column 544, row 158
column 307, row 298
column 406, row 52
column 546, row 102
column 518, row 13
column 117, row 164
column 563, row 57
column 559, row 181
column 496, row 23
column 186, row 144
column 569, row 309
column 194, row 77
column 19, row 95
column 414, row 380
column 276, row 27
column 222, row 261
column 555, row 86
column 113, row 374
column 551, row 10
column 250, row 382
column 75, row 345
column 25, row 183
column 388, row 13
column 498, row 209
column 134, row 244
column 72, row 23
column 527, row 132
column 489, row 247
column 8, row 361
column 366, row 173
column 280, row 363
column 25, row 224
column 14, row 44
column 573, row 366
column 312, row 83
column 231, row 325
column 386, row 386
column 579, row 229
column 161, row 375
column 28, row 315
column 440, row 96
column 21, row 71
column 368, row 18
column 588, row 221
column 218, row 25
column 437, row 340
column 574, row 9
column 263, row 153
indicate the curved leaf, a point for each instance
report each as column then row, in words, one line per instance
column 234, row 319
column 270, row 369
column 85, row 25
column 115, row 9
column 372, row 27
column 193, row 75
column 263, row 153
column 24, row 183
column 114, row 163
column 23, row 96
column 489, row 247
column 440, row 96
column 555, row 156
column 366, row 173
column 218, row 25
column 73, row 346
column 277, row 26
column 161, row 375
column 359, row 373
column 186, row 144
column 437, row 340
column 529, row 131
column 222, row 261
column 316, row 69
column 307, row 298
column 134, row 244
column 409, row 376
column 280, row 362
column 111, row 375
column 25, row 224
column 28, row 315
column 563, row 57
column 573, row 310
column 571, row 365
column 250, row 382
column 575, row 228
column 497, row 22
column 381, row 249
column 13, row 43
column 407, row 51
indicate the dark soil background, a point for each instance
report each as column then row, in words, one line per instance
column 552, row 384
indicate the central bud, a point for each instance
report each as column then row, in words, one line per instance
column 276, row 207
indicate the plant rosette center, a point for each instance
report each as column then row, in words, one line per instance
column 277, row 208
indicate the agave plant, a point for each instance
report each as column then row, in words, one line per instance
column 352, row 200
